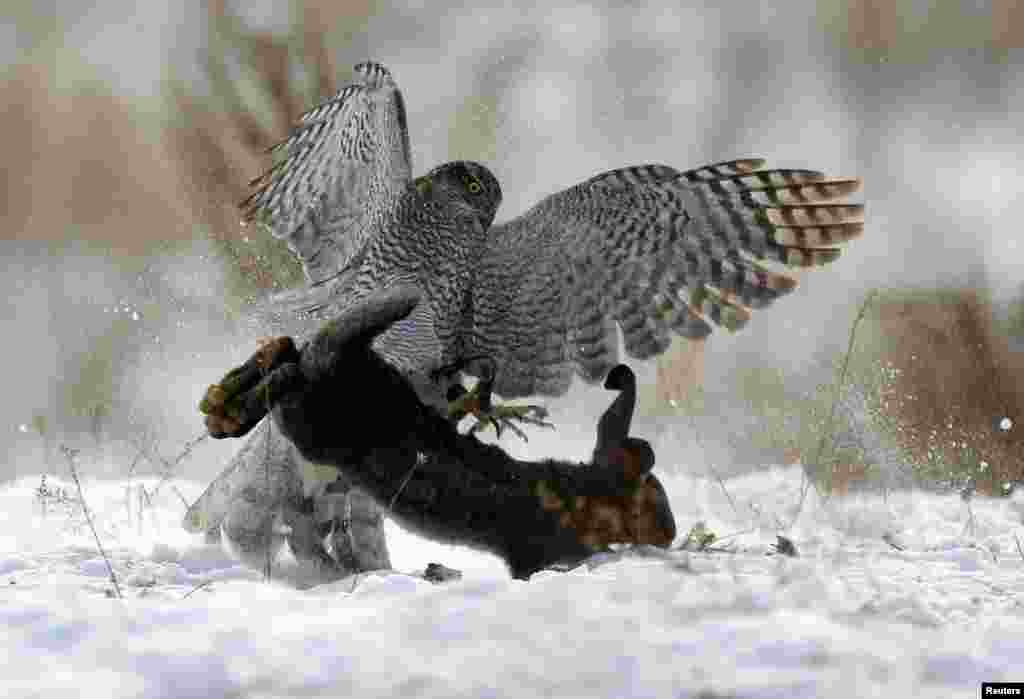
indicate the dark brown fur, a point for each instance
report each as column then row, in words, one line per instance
column 359, row 414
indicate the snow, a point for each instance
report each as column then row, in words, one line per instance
column 852, row 616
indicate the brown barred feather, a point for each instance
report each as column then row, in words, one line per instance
column 817, row 236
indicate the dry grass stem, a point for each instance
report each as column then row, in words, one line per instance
column 70, row 455
column 198, row 587
column 826, row 431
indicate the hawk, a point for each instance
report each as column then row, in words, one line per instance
column 650, row 249
column 527, row 304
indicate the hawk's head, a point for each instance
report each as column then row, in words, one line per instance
column 468, row 183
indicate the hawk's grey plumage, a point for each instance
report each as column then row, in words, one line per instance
column 650, row 248
column 344, row 200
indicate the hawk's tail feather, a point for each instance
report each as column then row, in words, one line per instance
column 691, row 326
column 729, row 176
column 728, row 168
column 748, row 283
column 808, row 214
column 798, row 192
column 590, row 341
column 739, row 216
column 816, row 236
column 801, row 257
column 635, row 298
column 644, row 335
column 758, row 180
column 690, row 305
column 539, row 363
column 658, row 252
column 548, row 379
column 729, row 272
column 793, row 217
column 710, row 303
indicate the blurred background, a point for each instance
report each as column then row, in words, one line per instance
column 129, row 132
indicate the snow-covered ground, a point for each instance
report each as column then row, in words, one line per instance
column 852, row 616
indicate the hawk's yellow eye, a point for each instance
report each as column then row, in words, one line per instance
column 473, row 186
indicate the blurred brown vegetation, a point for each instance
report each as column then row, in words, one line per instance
column 90, row 161
column 220, row 141
column 847, row 478
column 122, row 179
column 679, row 373
column 938, row 373
column 87, row 167
column 911, row 30
column 952, row 376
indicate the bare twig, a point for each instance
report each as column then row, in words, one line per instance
column 144, row 448
column 700, row 443
column 969, row 524
column 889, row 539
column 166, row 467
column 1020, row 550
column 181, row 497
column 756, row 509
column 405, row 482
column 198, row 587
column 719, row 549
column 186, row 451
column 725, row 490
column 70, row 455
column 735, row 534
column 135, row 462
column 171, row 467
column 826, row 431
column 712, row 545
column 267, row 570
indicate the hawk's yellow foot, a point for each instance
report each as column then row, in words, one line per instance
column 477, row 402
column 507, row 415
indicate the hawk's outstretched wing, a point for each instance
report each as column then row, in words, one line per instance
column 650, row 248
column 342, row 167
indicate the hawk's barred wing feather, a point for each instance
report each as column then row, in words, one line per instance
column 344, row 164
column 655, row 251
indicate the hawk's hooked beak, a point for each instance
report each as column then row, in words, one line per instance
column 423, row 185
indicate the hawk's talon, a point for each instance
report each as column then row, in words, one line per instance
column 477, row 401
column 500, row 416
